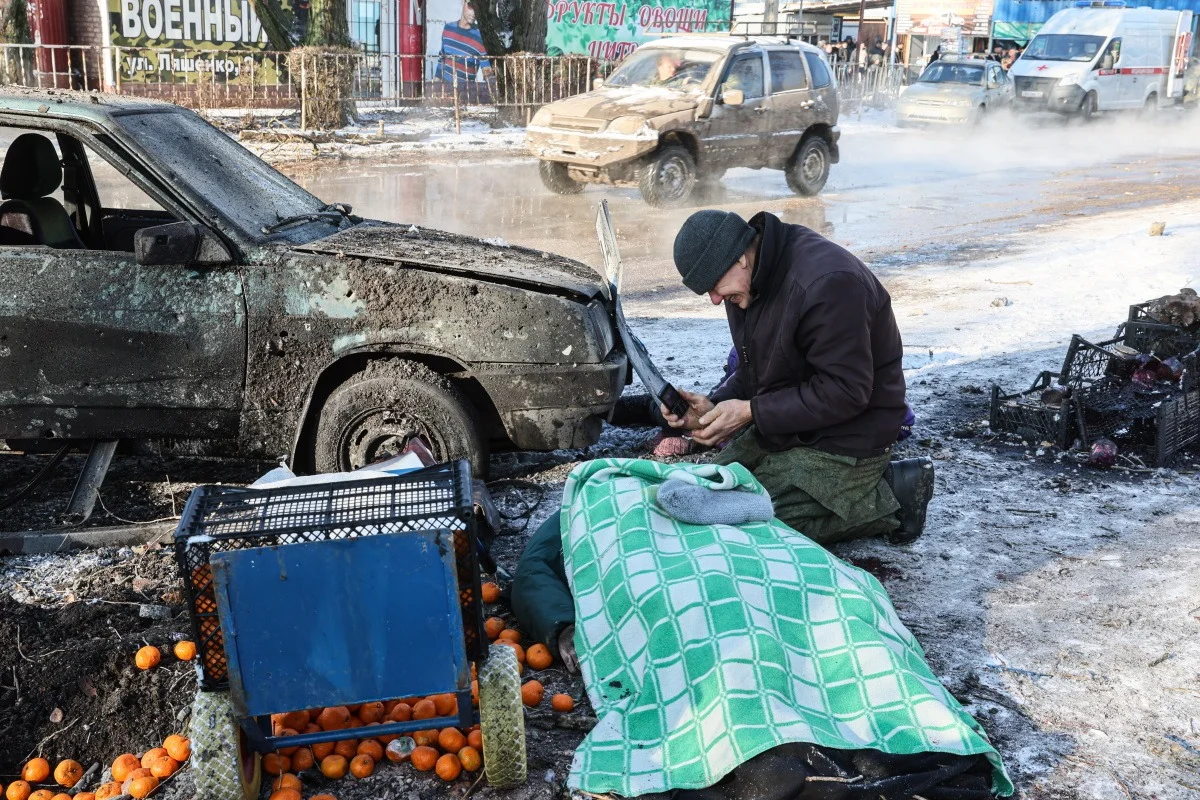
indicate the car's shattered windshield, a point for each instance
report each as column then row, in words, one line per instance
column 672, row 68
column 252, row 195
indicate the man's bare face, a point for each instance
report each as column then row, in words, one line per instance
column 468, row 14
column 734, row 285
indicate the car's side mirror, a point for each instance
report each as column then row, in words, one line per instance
column 180, row 243
column 733, row 97
column 597, row 83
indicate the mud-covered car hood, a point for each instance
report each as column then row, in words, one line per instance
column 614, row 101
column 439, row 251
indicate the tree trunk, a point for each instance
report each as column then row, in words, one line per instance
column 270, row 14
column 489, row 27
column 529, row 27
column 328, row 25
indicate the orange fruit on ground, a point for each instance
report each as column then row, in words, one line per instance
column 185, row 650
column 470, row 759
column 346, row 748
column 520, row 651
column 150, row 756
column 286, row 781
column 178, row 747
column 475, row 739
column 370, row 712
column 18, row 790
column 372, row 748
column 362, row 766
column 36, row 771
column 493, row 627
column 276, row 764
column 61, row 796
column 334, row 718
column 142, row 786
column 322, row 751
column 445, row 704
column 303, row 759
column 334, row 767
column 286, row 794
column 140, row 772
column 86, row 796
column 562, row 702
column 451, row 740
column 287, row 751
column 475, row 692
column 401, row 713
column 148, row 657
column 42, row 794
column 110, row 789
column 323, row 797
column 123, row 766
column 401, row 749
column 509, row 635
column 426, row 738
column 164, row 767
column 448, row 767
column 532, row 693
column 538, row 657
column 490, row 593
column 424, row 758
column 424, row 709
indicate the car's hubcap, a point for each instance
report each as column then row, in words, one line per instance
column 672, row 177
column 381, row 434
column 813, row 166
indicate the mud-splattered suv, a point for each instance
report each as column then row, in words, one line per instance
column 685, row 109
column 157, row 280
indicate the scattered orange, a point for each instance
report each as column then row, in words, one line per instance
column 470, row 759
column 185, row 650
column 372, row 748
column 423, row 759
column 150, row 756
column 123, row 766
column 448, row 767
column 346, row 748
column 401, row 713
column 509, row 635
column 178, row 747
column 401, row 749
column 303, row 759
column 520, row 651
column 424, row 709
column 451, row 740
column 286, row 794
column 164, row 767
column 142, row 786
column 286, row 781
column 362, row 766
column 287, row 751
column 322, row 750
column 323, row 797
column 18, row 790
column 36, row 771
column 475, row 739
column 334, row 718
column 490, row 593
column 276, row 764
column 562, row 702
column 493, row 627
column 108, row 790
column 532, row 693
column 42, row 794
column 538, row 657
column 61, row 796
column 148, row 657
column 334, row 767
column 86, row 796
column 426, row 738
column 371, row 712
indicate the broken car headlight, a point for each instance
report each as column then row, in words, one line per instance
column 631, row 124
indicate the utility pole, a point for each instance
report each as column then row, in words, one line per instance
column 862, row 13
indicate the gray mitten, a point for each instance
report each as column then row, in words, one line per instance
column 698, row 505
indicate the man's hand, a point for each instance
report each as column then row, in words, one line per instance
column 723, row 421
column 566, row 650
column 698, row 406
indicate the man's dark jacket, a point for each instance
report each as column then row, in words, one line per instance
column 820, row 353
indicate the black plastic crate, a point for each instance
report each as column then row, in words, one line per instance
column 1156, row 426
column 1178, row 426
column 1025, row 415
column 222, row 518
column 1158, row 339
column 1090, row 362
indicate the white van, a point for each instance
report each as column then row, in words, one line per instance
column 1102, row 56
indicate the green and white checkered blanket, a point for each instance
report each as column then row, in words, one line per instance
column 704, row 645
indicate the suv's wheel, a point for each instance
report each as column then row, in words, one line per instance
column 377, row 411
column 555, row 178
column 1088, row 108
column 668, row 177
column 808, row 168
column 1150, row 107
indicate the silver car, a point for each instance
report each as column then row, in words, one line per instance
column 955, row 91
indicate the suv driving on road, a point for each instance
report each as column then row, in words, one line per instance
column 685, row 109
column 160, row 281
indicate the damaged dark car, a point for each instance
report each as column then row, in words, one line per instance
column 161, row 282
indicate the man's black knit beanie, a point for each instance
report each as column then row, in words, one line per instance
column 707, row 245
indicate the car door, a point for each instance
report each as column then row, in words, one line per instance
column 1108, row 77
column 95, row 345
column 792, row 103
column 736, row 134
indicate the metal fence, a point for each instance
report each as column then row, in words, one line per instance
column 211, row 79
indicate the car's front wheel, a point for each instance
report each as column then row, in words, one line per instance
column 1088, row 108
column 808, row 168
column 668, row 177
column 375, row 413
column 555, row 178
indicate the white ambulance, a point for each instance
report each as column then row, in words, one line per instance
column 1102, row 56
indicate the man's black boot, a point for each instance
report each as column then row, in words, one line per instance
column 911, row 480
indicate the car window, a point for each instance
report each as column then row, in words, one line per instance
column 787, row 73
column 115, row 190
column 17, row 176
column 746, row 74
column 817, row 68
